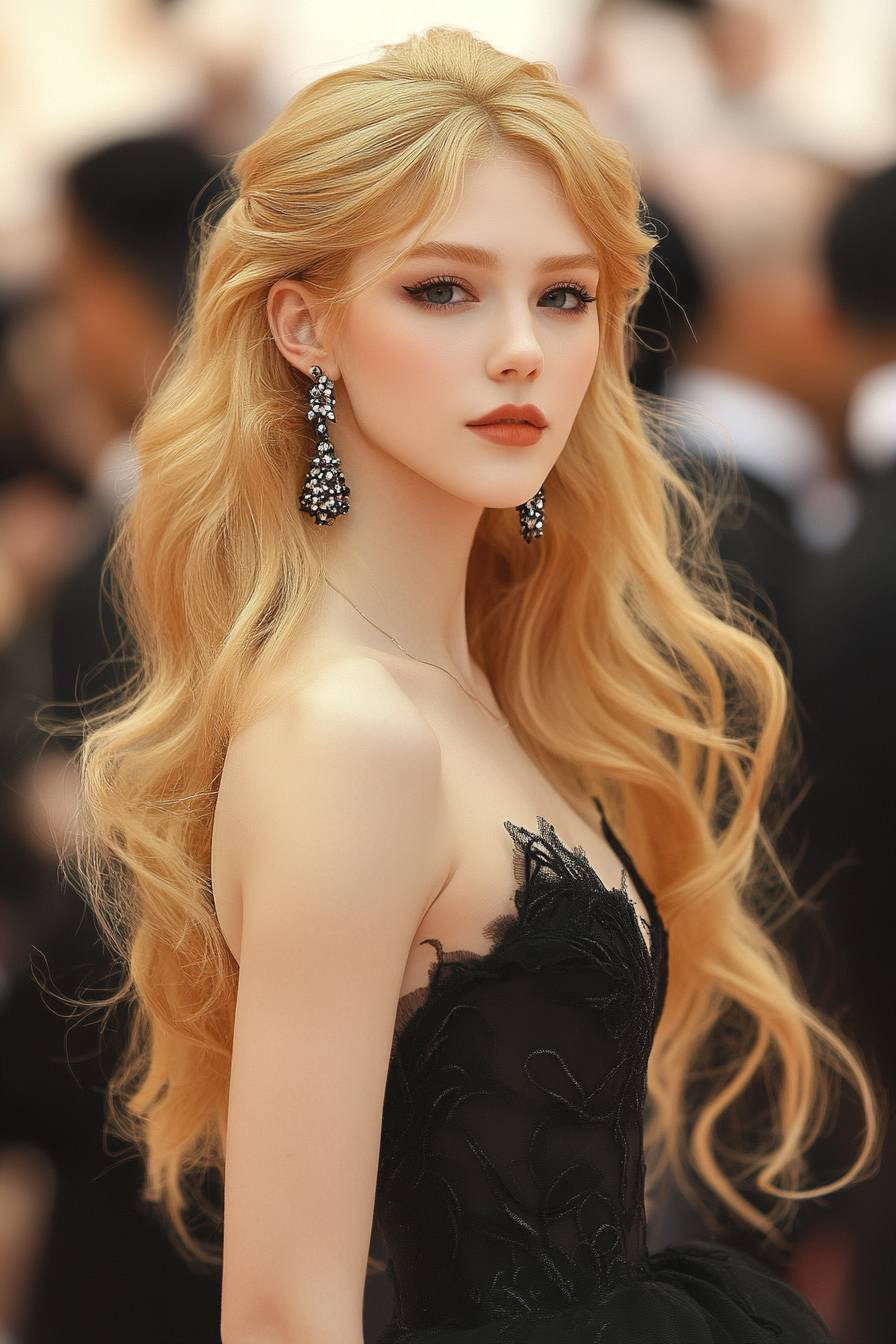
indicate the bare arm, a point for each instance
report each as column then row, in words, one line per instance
column 338, row 803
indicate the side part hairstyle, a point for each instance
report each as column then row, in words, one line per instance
column 614, row 647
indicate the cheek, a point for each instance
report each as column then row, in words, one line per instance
column 400, row 371
column 399, row 348
column 576, row 365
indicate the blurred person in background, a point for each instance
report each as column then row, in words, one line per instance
column 794, row 372
column 653, row 72
column 845, row 676
column 39, row 505
column 38, row 508
column 764, row 379
column 764, row 383
column 753, row 532
column 106, row 1269
column 846, row 633
column 121, row 277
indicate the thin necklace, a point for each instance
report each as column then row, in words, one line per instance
column 503, row 722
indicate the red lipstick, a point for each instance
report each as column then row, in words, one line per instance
column 508, row 411
column 510, row 424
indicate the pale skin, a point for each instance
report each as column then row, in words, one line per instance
column 364, row 811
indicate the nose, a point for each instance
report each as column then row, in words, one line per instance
column 517, row 353
column 523, row 360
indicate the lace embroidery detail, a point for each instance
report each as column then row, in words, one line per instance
column 518, row 1070
column 538, row 859
column 511, row 1174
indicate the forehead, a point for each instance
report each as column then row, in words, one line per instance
column 510, row 211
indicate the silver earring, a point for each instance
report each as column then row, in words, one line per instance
column 325, row 493
column 532, row 516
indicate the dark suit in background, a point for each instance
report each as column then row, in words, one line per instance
column 109, row 1272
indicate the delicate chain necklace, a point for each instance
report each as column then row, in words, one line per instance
column 503, row 722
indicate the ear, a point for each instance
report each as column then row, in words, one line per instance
column 291, row 312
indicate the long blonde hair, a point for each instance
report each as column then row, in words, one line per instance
column 613, row 645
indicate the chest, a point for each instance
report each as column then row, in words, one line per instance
column 482, row 789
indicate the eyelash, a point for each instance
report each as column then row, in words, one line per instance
column 572, row 286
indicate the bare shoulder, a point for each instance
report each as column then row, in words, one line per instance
column 344, row 770
column 350, row 715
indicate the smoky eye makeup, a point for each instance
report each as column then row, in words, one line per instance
column 449, row 282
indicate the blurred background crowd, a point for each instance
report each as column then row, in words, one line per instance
column 765, row 135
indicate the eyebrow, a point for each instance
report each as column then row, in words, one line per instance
column 480, row 256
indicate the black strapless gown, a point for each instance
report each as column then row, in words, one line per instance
column 510, row 1189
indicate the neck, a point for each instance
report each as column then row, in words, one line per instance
column 401, row 555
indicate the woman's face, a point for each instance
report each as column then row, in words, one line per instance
column 446, row 338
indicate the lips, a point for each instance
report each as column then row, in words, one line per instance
column 527, row 414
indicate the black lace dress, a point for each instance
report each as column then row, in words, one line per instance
column 510, row 1190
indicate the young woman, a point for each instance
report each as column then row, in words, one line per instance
column 427, row 623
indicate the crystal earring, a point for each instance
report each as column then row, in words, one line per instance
column 325, row 493
column 532, row 516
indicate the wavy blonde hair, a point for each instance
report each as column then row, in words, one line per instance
column 613, row 646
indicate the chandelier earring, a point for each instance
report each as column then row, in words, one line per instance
column 325, row 494
column 532, row 516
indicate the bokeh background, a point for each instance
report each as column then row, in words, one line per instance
column 765, row 135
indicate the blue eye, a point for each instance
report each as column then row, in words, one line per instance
column 449, row 282
column 581, row 293
column 444, row 284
